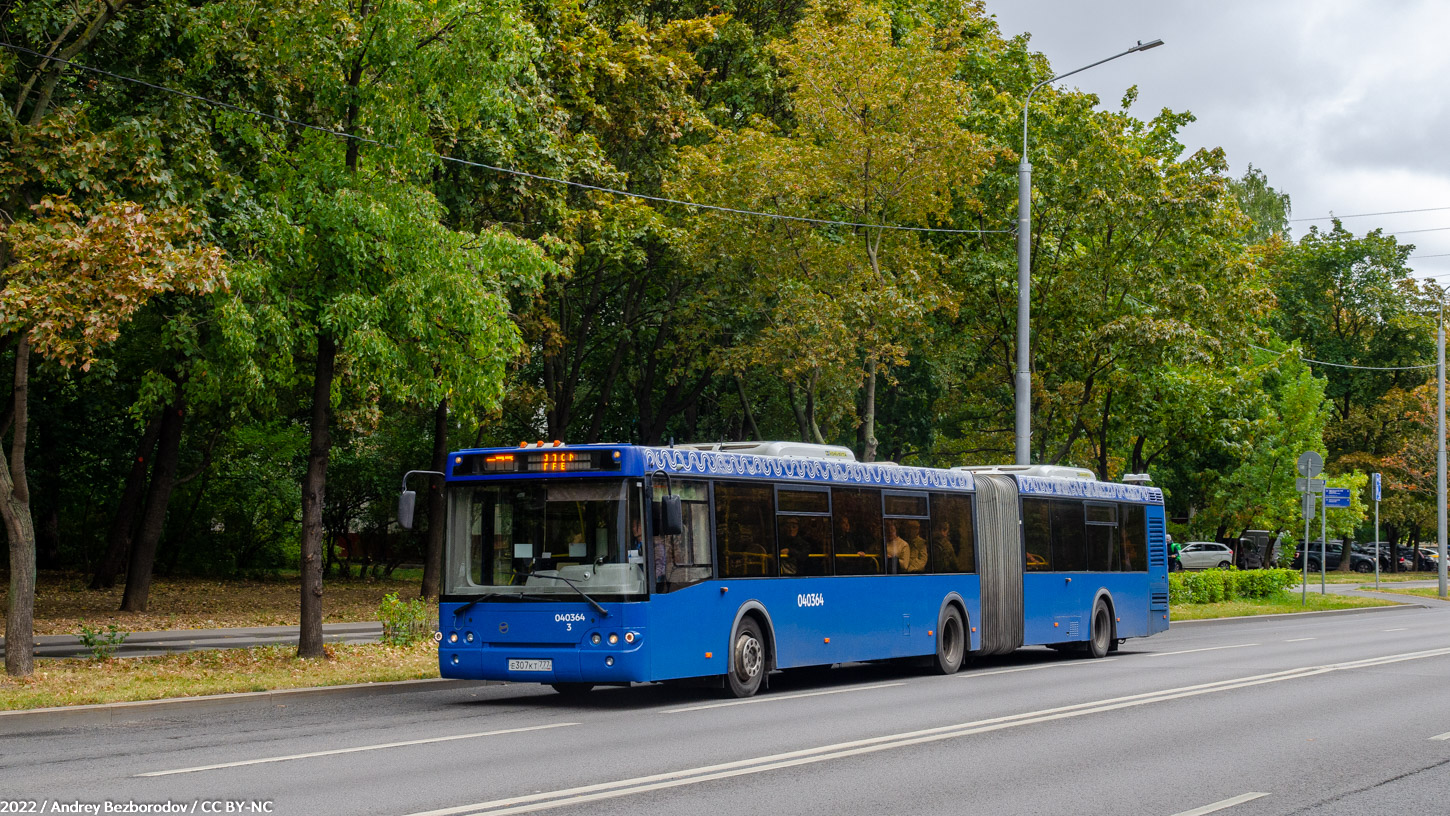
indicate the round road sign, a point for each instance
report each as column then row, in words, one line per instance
column 1310, row 464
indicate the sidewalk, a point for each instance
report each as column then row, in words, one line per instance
column 1354, row 589
column 146, row 644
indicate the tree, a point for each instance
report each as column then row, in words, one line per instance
column 384, row 301
column 73, row 279
column 877, row 140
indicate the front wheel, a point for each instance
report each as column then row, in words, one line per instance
column 1223, row 565
column 747, row 660
column 951, row 643
column 1363, row 567
column 1102, row 632
column 1313, row 566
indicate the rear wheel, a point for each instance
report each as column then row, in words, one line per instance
column 1223, row 565
column 747, row 660
column 1363, row 566
column 1313, row 566
column 1102, row 632
column 951, row 643
column 573, row 689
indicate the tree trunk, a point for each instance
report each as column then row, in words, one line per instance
column 433, row 558
column 749, row 414
column 868, row 414
column 153, row 520
column 15, row 507
column 801, row 422
column 309, row 635
column 123, row 523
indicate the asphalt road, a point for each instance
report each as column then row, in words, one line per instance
column 1340, row 714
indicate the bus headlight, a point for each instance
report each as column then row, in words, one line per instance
column 452, row 637
column 613, row 638
column 594, row 638
column 468, row 637
column 609, row 661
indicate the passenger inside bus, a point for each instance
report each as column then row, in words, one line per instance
column 943, row 549
column 898, row 551
column 912, row 533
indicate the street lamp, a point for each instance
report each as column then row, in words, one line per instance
column 1024, row 267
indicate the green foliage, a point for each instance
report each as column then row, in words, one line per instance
column 102, row 643
column 1212, row 586
column 405, row 622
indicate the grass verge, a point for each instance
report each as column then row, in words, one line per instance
column 63, row 603
column 1361, row 577
column 221, row 671
column 1285, row 602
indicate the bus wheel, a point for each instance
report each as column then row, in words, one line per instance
column 573, row 689
column 747, row 660
column 951, row 645
column 1102, row 634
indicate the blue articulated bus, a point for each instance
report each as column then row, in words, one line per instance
column 585, row 565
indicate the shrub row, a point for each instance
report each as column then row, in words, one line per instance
column 1211, row 586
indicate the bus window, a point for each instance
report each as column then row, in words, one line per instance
column 803, row 530
column 1068, row 551
column 1037, row 534
column 685, row 559
column 952, row 546
column 857, row 531
column 1101, row 536
column 745, row 529
column 1135, row 537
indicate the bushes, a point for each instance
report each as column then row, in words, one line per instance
column 1212, row 586
column 405, row 622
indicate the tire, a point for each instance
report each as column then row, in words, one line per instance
column 951, row 643
column 1313, row 565
column 573, row 690
column 1223, row 565
column 747, row 660
column 1100, row 639
column 1363, row 567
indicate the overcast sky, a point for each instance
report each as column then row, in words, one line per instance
column 1342, row 103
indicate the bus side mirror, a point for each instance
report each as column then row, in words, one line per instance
column 406, row 500
column 671, row 518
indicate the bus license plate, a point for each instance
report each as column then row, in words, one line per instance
column 531, row 665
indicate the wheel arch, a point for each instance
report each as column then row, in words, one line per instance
column 954, row 599
column 1106, row 597
column 755, row 609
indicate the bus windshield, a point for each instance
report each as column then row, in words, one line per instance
column 550, row 537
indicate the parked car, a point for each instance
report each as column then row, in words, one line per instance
column 1333, row 553
column 1205, row 555
column 1429, row 558
column 1386, row 553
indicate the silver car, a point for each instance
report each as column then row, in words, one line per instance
column 1205, row 555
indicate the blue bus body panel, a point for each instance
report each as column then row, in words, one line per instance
column 1058, row 604
column 686, row 633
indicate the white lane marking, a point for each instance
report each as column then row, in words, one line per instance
column 1401, row 629
column 692, row 776
column 1442, row 737
column 1224, row 805
column 1207, row 649
column 265, row 760
column 774, row 698
column 1298, row 640
column 1035, row 668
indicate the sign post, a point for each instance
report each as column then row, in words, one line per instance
column 1310, row 464
column 1374, row 482
column 1333, row 497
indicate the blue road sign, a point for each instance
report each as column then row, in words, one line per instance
column 1336, row 497
column 1375, row 485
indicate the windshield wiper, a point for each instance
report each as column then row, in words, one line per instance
column 604, row 613
column 488, row 595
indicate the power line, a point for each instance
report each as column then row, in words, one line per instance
column 1411, row 232
column 1366, row 215
column 508, row 170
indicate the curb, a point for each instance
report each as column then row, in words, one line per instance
column 35, row 720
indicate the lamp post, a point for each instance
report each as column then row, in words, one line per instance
column 1023, row 379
